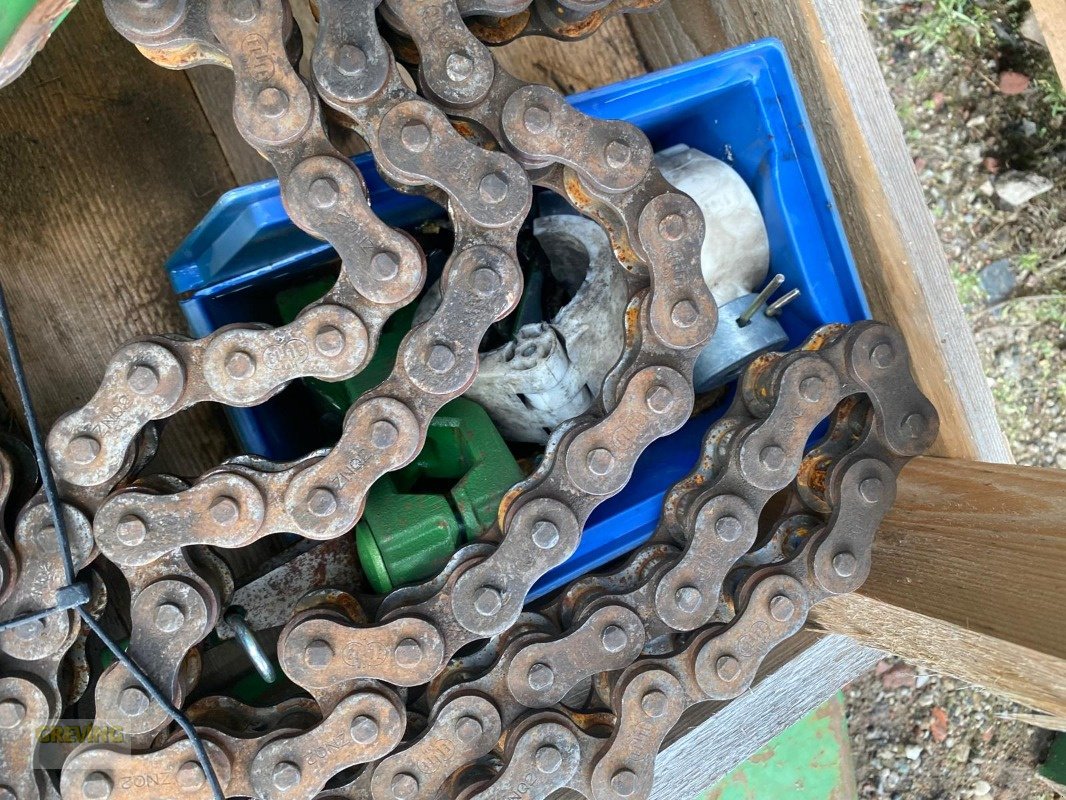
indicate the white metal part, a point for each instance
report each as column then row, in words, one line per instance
column 530, row 385
column 736, row 249
column 551, row 371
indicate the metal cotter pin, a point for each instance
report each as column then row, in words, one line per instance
column 756, row 304
column 779, row 304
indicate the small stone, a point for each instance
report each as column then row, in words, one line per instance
column 1011, row 82
column 998, row 281
column 1014, row 189
column 1030, row 29
column 913, row 751
column 982, row 789
column 938, row 724
column 899, row 676
column 991, row 165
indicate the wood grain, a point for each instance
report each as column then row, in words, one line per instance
column 609, row 55
column 106, row 163
column 899, row 257
column 981, row 546
column 1051, row 14
column 1026, row 676
column 967, row 579
column 214, row 91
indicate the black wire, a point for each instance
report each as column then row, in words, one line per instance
column 72, row 599
column 49, row 486
column 158, row 696
column 48, row 482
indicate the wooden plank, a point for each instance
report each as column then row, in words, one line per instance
column 1026, row 676
column 214, row 90
column 106, row 162
column 981, row 546
column 609, row 55
column 711, row 739
column 891, row 233
column 967, row 582
column 1051, row 14
column 967, row 579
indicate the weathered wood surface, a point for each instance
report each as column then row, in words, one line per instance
column 609, row 55
column 106, row 162
column 1051, row 14
column 981, row 546
column 968, row 578
column 1029, row 677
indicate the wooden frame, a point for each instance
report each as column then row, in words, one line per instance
column 1051, row 15
column 110, row 160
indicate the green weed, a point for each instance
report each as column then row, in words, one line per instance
column 945, row 22
column 969, row 289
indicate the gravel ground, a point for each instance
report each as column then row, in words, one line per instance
column 917, row 736
column 979, row 104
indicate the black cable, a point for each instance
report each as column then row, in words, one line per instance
column 48, row 482
column 158, row 696
column 74, row 595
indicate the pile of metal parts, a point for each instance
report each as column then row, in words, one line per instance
column 450, row 688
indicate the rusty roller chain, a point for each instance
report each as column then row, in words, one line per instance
column 449, row 688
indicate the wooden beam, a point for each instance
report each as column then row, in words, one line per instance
column 107, row 163
column 609, row 55
column 214, row 90
column 891, row 233
column 1026, row 676
column 967, row 579
column 1051, row 14
column 980, row 546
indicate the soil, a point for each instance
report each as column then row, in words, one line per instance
column 977, row 99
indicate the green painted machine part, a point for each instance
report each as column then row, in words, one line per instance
column 811, row 760
column 25, row 26
column 1053, row 770
column 417, row 517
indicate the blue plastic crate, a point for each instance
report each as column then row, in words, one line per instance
column 742, row 106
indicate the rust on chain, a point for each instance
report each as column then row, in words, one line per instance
column 578, row 695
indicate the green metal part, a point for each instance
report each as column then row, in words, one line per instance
column 25, row 26
column 1053, row 770
column 417, row 517
column 811, row 760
